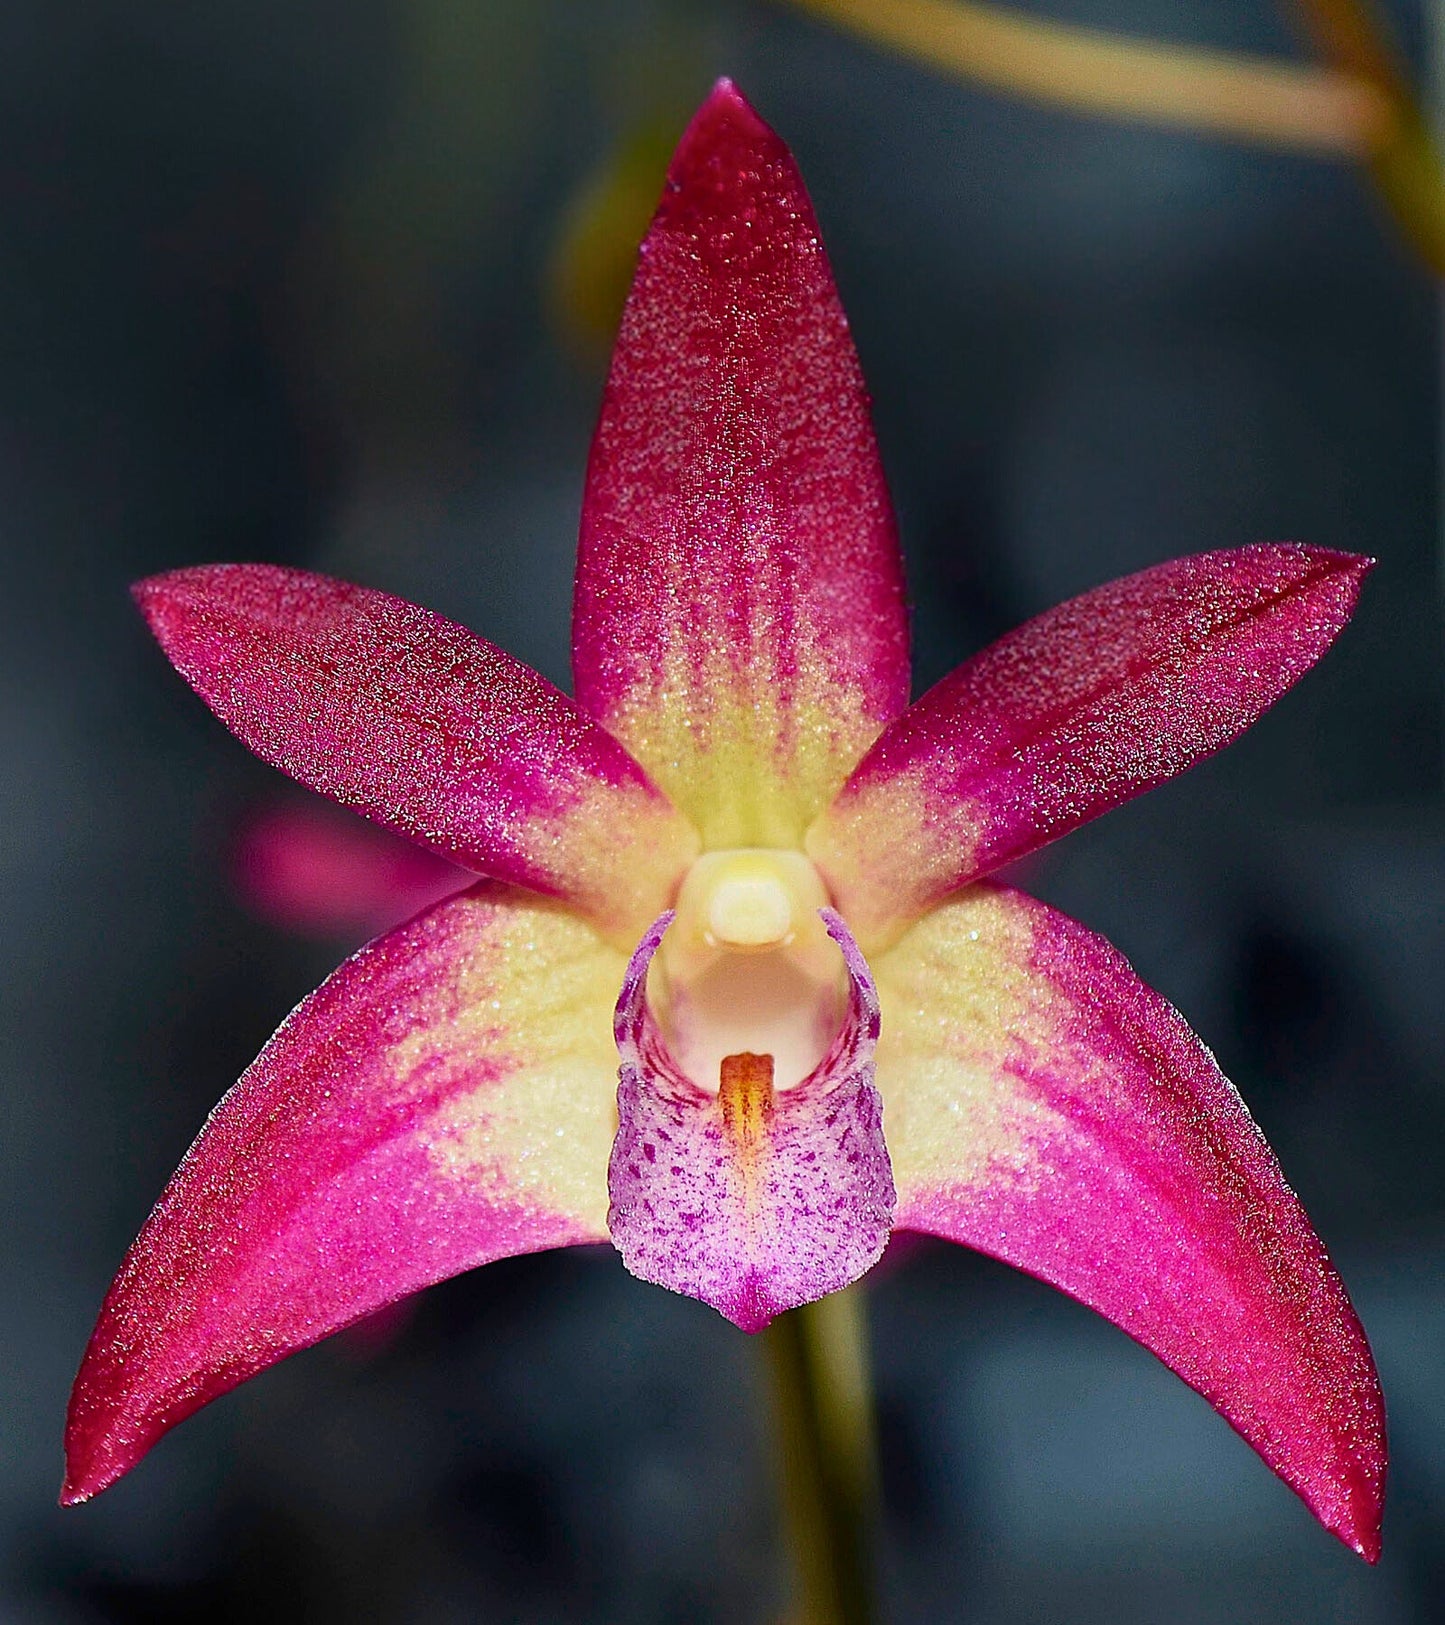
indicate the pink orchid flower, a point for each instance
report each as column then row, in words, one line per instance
column 741, row 860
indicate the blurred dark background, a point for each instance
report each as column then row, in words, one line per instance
column 324, row 284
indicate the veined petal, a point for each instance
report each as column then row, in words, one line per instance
column 1044, row 1106
column 444, row 1099
column 426, row 728
column 751, row 1199
column 739, row 620
column 1080, row 709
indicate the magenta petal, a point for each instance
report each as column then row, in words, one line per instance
column 444, row 1099
column 1046, row 1107
column 753, row 1201
column 739, row 619
column 424, row 727
column 1080, row 709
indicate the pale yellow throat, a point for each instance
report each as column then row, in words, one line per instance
column 748, row 967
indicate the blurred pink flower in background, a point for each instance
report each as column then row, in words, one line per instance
column 313, row 869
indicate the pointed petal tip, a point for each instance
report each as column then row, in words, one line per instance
column 92, row 1464
column 151, row 587
column 1338, row 578
column 1336, row 561
column 723, row 99
column 725, row 119
column 1335, row 573
column 1366, row 1544
column 76, row 1491
column 1358, row 1526
column 145, row 592
column 159, row 596
column 155, row 598
column 748, row 1308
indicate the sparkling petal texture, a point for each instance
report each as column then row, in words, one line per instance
column 1080, row 709
column 426, row 728
column 1044, row 1106
column 452, row 1093
column 444, row 1099
column 758, row 1203
column 739, row 621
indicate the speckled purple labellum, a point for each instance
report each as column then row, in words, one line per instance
column 752, row 1200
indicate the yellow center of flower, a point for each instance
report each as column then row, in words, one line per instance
column 747, row 967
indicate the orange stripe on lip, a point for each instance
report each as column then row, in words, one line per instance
column 745, row 1094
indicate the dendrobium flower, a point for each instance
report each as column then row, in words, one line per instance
column 740, row 862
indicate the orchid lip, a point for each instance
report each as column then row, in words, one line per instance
column 752, row 1198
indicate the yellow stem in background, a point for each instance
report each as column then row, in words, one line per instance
column 825, row 1450
column 594, row 253
column 1354, row 36
column 1245, row 98
column 1406, row 162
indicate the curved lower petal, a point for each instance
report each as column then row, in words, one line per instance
column 444, row 1099
column 740, row 621
column 751, row 1199
column 425, row 728
column 1044, row 1106
column 1080, row 709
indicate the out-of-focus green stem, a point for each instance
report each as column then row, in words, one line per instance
column 1405, row 161
column 1244, row 98
column 825, row 1450
column 1359, row 104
